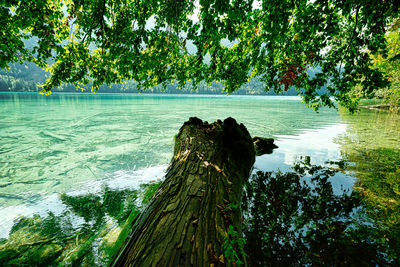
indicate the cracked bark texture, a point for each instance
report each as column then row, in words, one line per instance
column 187, row 221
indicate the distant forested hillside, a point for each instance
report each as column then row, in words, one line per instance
column 26, row 77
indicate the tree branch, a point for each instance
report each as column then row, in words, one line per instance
column 351, row 39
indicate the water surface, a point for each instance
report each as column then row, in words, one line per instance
column 76, row 142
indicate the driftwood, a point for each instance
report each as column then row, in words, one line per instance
column 197, row 207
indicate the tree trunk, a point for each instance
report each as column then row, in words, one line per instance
column 197, row 207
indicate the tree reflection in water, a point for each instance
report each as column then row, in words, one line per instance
column 294, row 218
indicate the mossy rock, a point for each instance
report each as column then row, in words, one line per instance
column 53, row 241
column 26, row 246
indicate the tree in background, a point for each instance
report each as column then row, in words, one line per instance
column 390, row 65
column 386, row 61
column 159, row 42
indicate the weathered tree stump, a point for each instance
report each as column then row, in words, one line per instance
column 192, row 212
column 263, row 145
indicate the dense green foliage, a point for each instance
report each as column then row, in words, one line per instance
column 387, row 61
column 159, row 42
column 390, row 66
column 295, row 219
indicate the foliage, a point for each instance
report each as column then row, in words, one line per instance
column 156, row 43
column 390, row 66
column 295, row 219
column 10, row 84
column 233, row 243
column 149, row 191
column 370, row 101
column 387, row 62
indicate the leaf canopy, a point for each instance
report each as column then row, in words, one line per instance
column 158, row 42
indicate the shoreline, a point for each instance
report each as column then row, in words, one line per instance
column 377, row 107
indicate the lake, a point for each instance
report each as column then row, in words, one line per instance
column 79, row 143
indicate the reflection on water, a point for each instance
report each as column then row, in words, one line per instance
column 120, row 180
column 316, row 143
column 296, row 219
column 50, row 145
column 278, row 229
column 80, row 144
column 370, row 129
column 371, row 143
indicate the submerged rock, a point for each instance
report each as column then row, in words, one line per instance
column 27, row 245
column 263, row 145
column 50, row 240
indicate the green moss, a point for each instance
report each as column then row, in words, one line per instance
column 113, row 202
column 52, row 241
column 149, row 191
column 112, row 249
column 33, row 241
column 81, row 253
column 88, row 206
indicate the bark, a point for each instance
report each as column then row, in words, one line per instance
column 188, row 219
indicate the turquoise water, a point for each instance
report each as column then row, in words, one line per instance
column 78, row 142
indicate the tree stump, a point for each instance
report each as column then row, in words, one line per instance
column 197, row 207
column 263, row 145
